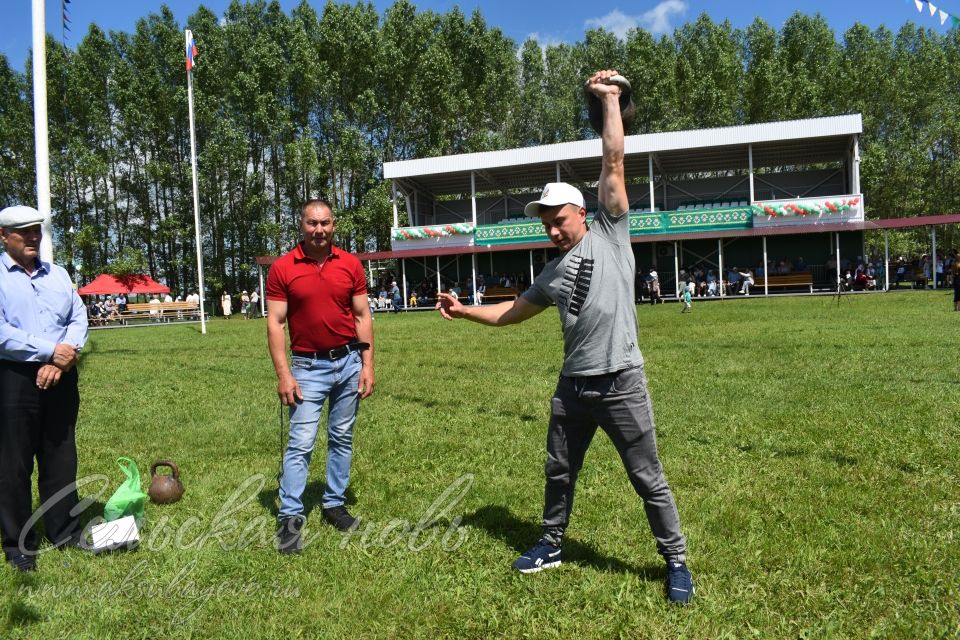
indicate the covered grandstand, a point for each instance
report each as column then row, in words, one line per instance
column 746, row 196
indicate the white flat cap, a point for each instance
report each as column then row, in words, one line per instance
column 19, row 216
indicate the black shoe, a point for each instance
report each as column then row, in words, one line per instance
column 340, row 518
column 23, row 563
column 289, row 536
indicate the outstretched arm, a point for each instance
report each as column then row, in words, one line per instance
column 496, row 315
column 612, row 190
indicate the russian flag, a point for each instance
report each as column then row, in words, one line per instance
column 191, row 52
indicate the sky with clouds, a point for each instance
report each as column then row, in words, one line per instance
column 548, row 21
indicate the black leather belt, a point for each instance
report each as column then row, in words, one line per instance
column 333, row 354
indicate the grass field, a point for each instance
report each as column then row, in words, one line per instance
column 812, row 447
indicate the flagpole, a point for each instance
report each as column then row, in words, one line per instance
column 40, row 133
column 196, row 197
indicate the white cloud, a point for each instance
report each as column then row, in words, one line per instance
column 656, row 20
column 544, row 40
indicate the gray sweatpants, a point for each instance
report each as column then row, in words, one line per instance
column 619, row 404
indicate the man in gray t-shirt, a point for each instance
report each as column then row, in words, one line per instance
column 602, row 382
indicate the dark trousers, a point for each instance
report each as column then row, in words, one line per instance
column 42, row 425
column 619, row 404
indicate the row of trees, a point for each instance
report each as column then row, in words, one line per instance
column 308, row 104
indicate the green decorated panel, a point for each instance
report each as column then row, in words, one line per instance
column 708, row 219
column 509, row 233
column 641, row 223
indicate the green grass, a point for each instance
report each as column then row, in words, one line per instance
column 812, row 448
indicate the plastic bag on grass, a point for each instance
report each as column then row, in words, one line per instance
column 128, row 499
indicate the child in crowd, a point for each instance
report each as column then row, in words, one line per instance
column 687, row 298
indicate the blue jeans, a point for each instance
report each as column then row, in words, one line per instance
column 321, row 380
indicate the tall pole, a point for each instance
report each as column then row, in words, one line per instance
column 766, row 266
column 933, row 256
column 41, row 141
column 886, row 260
column 720, row 276
column 196, row 195
column 473, row 274
column 676, row 268
column 837, row 283
column 403, row 267
column 263, row 294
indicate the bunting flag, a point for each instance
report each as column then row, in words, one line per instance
column 65, row 22
column 935, row 11
column 191, row 53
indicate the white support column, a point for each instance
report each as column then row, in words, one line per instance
column 720, row 275
column 838, row 261
column 676, row 269
column 473, row 268
column 396, row 214
column 855, row 168
column 766, row 266
column 531, row 266
column 415, row 218
column 650, row 173
column 933, row 256
column 473, row 198
column 886, row 259
column 750, row 163
column 438, row 274
column 558, row 171
column 370, row 269
column 403, row 267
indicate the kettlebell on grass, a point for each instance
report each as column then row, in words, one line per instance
column 165, row 489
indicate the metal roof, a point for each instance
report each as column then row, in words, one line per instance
column 793, row 142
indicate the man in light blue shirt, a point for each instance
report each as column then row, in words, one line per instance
column 43, row 326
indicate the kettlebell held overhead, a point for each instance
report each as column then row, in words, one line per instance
column 595, row 108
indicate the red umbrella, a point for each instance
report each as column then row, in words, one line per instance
column 134, row 283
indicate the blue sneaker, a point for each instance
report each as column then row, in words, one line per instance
column 542, row 556
column 679, row 582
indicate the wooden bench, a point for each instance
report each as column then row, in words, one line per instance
column 784, row 280
column 163, row 312
column 500, row 293
column 913, row 278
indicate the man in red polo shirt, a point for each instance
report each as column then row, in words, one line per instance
column 322, row 291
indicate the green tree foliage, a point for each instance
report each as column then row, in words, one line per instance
column 311, row 103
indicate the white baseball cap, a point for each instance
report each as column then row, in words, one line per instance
column 19, row 216
column 555, row 193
